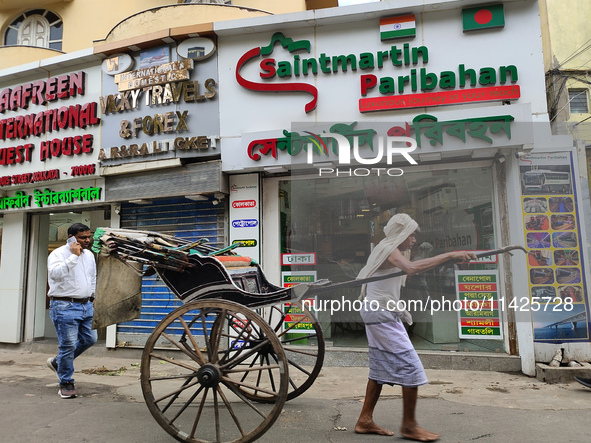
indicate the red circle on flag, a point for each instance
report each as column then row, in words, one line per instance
column 483, row 16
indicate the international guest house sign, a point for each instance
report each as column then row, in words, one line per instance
column 47, row 138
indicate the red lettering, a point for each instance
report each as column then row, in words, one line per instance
column 15, row 98
column 55, row 148
column 62, row 86
column 268, row 68
column 368, row 81
column 10, row 127
column 67, row 146
column 62, row 117
column 10, row 155
column 50, row 89
column 77, row 147
column 26, row 95
column 4, row 99
column 44, row 151
column 74, row 116
column 37, row 95
column 28, row 149
column 87, row 140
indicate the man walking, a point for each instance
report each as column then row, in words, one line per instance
column 71, row 272
column 392, row 357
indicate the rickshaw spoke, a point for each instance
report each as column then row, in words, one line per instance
column 230, row 410
column 199, row 411
column 187, row 403
column 192, row 339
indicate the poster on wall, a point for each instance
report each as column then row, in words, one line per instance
column 556, row 273
column 296, row 320
column 481, row 305
column 245, row 215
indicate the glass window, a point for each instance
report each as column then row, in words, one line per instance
column 35, row 28
column 342, row 219
column 577, row 99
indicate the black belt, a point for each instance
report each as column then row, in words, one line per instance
column 74, row 300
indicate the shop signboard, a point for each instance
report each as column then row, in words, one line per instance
column 480, row 304
column 557, row 295
column 293, row 259
column 48, row 132
column 315, row 143
column 414, row 82
column 160, row 103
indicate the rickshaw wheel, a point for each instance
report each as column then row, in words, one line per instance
column 305, row 362
column 191, row 393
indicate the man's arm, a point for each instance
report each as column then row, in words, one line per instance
column 92, row 272
column 57, row 267
column 415, row 267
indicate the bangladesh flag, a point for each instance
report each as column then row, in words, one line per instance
column 483, row 17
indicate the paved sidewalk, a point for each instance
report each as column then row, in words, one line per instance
column 461, row 405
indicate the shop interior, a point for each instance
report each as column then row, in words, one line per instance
column 340, row 219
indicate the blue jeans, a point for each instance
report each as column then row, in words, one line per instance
column 72, row 323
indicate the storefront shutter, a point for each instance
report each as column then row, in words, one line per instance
column 179, row 217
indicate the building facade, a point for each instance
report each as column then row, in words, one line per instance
column 283, row 132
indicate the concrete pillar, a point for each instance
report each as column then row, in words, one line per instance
column 12, row 276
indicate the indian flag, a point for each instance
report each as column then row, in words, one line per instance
column 397, row 27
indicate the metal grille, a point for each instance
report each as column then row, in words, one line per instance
column 179, row 217
column 578, row 101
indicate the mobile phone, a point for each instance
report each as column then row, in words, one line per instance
column 71, row 240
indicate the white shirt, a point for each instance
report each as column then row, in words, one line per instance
column 70, row 275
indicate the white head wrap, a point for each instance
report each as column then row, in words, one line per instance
column 398, row 229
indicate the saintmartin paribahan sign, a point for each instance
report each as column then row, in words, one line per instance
column 281, row 61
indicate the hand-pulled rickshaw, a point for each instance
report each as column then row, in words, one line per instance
column 236, row 358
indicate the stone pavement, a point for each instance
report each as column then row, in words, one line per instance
column 462, row 405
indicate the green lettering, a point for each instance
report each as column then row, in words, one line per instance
column 366, row 60
column 462, row 76
column 503, row 70
column 447, row 80
column 344, row 61
column 283, row 69
column 309, row 63
column 423, row 51
column 488, row 76
column 428, row 81
column 387, row 85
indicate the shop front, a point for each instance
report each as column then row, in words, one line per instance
column 472, row 116
column 49, row 132
column 160, row 154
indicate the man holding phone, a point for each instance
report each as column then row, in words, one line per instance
column 71, row 272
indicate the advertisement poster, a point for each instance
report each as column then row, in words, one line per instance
column 293, row 320
column 478, row 293
column 556, row 276
column 245, row 215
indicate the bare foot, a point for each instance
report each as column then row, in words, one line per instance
column 418, row 434
column 371, row 428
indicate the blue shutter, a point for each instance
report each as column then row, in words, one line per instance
column 179, row 217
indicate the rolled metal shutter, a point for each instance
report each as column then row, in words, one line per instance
column 179, row 217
